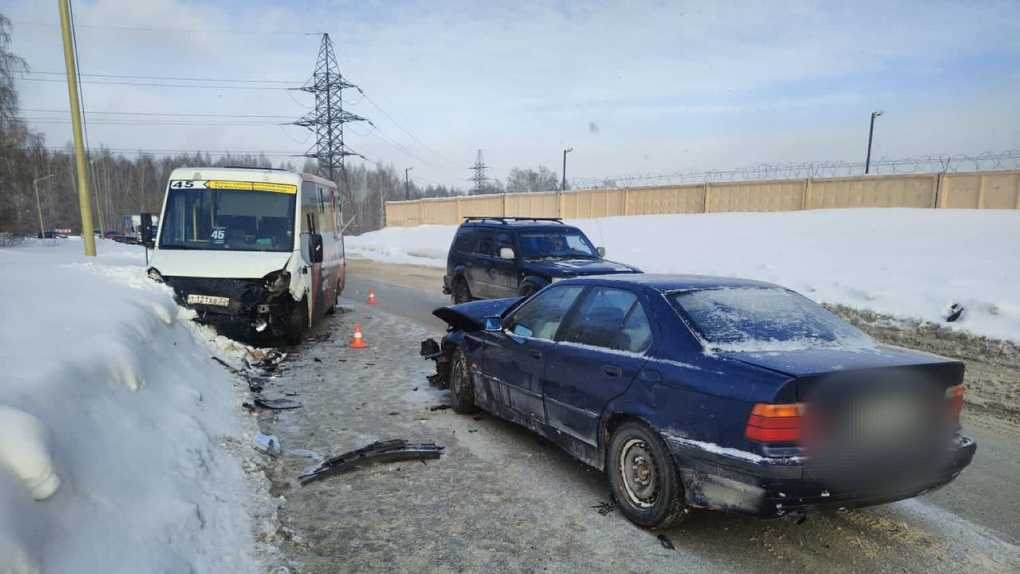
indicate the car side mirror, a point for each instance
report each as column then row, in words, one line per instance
column 315, row 247
column 493, row 323
column 506, row 253
column 601, row 251
column 146, row 230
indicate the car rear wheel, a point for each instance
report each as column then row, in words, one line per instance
column 461, row 291
column 644, row 478
column 527, row 290
column 462, row 392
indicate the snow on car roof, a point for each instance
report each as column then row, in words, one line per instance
column 674, row 282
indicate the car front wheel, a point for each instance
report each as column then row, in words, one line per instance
column 644, row 478
column 462, row 391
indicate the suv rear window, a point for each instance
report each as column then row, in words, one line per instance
column 555, row 242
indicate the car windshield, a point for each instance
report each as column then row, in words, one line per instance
column 763, row 319
column 228, row 220
column 556, row 242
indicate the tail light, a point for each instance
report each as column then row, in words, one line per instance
column 955, row 397
column 775, row 423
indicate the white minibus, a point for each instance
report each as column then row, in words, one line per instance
column 254, row 251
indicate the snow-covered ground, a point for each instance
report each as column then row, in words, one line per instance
column 123, row 447
column 909, row 263
column 122, row 444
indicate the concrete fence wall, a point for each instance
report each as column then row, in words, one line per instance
column 976, row 190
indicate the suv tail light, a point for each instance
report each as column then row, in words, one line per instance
column 775, row 423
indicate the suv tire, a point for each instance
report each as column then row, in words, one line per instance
column 461, row 291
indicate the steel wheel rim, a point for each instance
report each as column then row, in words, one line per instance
column 638, row 473
column 456, row 381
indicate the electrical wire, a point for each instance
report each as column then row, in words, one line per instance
column 402, row 128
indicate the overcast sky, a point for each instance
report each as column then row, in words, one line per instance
column 633, row 86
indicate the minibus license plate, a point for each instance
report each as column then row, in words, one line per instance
column 208, row 300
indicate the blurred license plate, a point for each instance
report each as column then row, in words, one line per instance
column 208, row 300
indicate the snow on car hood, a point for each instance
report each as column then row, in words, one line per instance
column 805, row 362
column 217, row 264
column 471, row 316
column 576, row 266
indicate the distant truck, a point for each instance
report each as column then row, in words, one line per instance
column 132, row 227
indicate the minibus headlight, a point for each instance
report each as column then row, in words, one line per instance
column 155, row 275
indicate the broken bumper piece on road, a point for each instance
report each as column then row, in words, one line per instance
column 381, row 451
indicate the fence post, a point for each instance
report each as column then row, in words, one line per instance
column 708, row 196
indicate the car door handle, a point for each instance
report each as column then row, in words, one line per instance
column 535, row 354
column 612, row 371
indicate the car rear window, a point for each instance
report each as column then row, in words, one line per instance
column 763, row 319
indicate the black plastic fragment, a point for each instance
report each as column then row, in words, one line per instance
column 277, row 404
column 666, row 542
column 604, row 508
column 382, row 451
column 429, row 349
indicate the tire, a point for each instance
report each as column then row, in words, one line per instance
column 461, row 291
column 298, row 324
column 644, row 479
column 462, row 391
column 527, row 290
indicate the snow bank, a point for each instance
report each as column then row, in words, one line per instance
column 143, row 427
column 908, row 263
column 25, row 451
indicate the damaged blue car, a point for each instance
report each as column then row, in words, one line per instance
column 707, row 392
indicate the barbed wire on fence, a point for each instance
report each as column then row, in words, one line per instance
column 936, row 163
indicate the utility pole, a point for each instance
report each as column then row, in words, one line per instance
column 407, row 184
column 79, row 140
column 328, row 118
column 479, row 178
column 38, row 204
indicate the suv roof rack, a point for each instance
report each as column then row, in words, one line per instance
column 506, row 219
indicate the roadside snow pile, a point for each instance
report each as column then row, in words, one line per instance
column 121, row 437
column 913, row 264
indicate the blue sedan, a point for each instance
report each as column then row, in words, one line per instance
column 708, row 392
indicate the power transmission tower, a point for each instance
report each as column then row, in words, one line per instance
column 479, row 178
column 328, row 118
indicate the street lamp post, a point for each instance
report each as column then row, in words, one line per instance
column 407, row 184
column 38, row 204
column 871, row 132
column 563, row 186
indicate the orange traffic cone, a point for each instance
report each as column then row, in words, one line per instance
column 358, row 342
column 371, row 296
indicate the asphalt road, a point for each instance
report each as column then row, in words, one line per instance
column 500, row 500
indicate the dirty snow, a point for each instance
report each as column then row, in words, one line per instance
column 912, row 264
column 114, row 415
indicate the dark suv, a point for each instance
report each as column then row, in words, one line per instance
column 495, row 257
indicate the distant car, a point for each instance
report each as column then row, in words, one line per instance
column 52, row 234
column 495, row 257
column 114, row 235
column 706, row 392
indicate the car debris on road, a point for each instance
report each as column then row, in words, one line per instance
column 380, row 451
